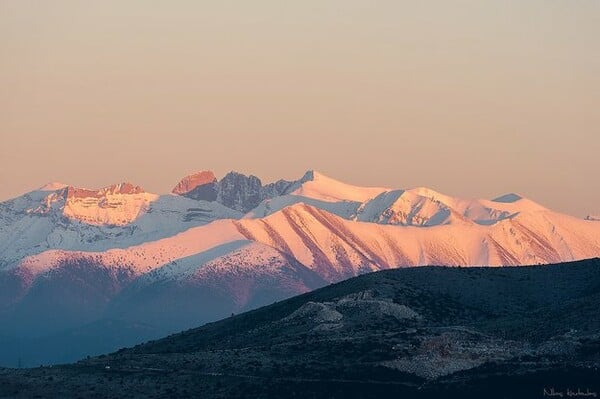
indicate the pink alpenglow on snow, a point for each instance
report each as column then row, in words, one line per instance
column 334, row 229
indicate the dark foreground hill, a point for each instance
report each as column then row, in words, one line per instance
column 420, row 332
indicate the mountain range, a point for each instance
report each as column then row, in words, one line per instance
column 77, row 264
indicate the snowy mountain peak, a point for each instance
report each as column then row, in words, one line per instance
column 314, row 175
column 428, row 193
column 316, row 185
column 194, row 180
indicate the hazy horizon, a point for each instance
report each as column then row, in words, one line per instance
column 472, row 99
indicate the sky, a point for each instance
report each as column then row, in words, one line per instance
column 471, row 98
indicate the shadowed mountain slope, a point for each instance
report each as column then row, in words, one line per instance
column 420, row 332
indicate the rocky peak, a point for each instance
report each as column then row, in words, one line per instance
column 236, row 190
column 282, row 187
column 240, row 192
column 191, row 182
column 308, row 176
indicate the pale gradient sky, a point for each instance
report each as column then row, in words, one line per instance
column 471, row 98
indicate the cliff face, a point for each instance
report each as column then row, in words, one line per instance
column 240, row 192
column 235, row 190
column 117, row 204
column 193, row 181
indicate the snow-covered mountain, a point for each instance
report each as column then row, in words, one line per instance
column 71, row 256
column 64, row 217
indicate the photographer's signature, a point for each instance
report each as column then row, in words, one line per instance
column 570, row 393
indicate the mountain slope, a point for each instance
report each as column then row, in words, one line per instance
column 422, row 332
column 320, row 239
column 200, row 290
